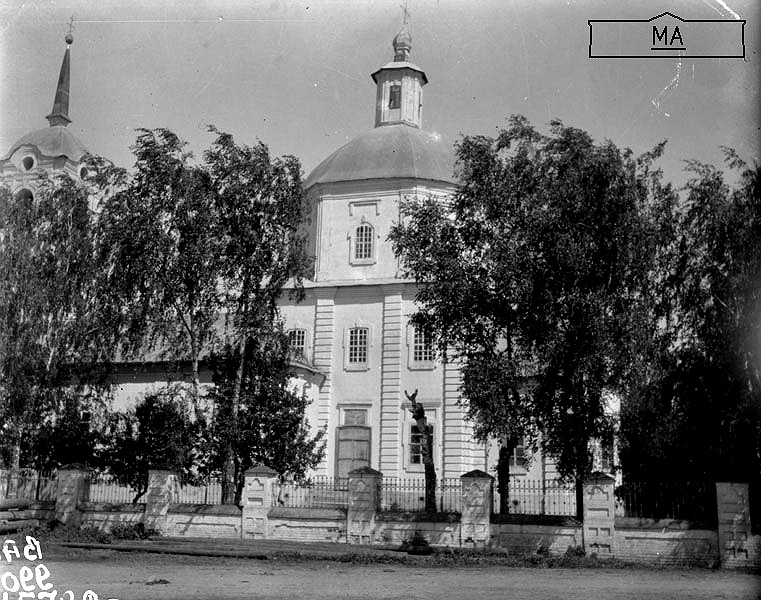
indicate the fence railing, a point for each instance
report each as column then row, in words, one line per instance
column 318, row 492
column 209, row 492
column 536, row 497
column 107, row 488
column 408, row 495
column 690, row 501
column 28, row 483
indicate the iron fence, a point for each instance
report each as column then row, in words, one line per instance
column 107, row 488
column 537, row 497
column 687, row 500
column 29, row 483
column 408, row 495
column 317, row 492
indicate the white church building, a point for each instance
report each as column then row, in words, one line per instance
column 358, row 352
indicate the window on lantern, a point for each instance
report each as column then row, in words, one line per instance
column 297, row 341
column 363, row 242
column 395, row 97
column 358, row 342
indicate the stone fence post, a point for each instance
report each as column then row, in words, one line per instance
column 477, row 499
column 364, row 504
column 598, row 528
column 72, row 488
column 5, row 475
column 163, row 490
column 735, row 547
column 256, row 501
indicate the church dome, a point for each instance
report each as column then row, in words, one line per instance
column 52, row 142
column 387, row 152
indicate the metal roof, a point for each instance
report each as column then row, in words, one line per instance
column 52, row 141
column 388, row 151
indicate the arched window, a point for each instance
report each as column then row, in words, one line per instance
column 363, row 242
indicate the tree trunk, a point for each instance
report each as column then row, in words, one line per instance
column 426, row 450
column 230, row 469
column 580, row 499
column 430, row 470
column 503, row 476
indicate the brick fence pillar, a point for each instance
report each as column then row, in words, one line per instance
column 735, row 549
column 599, row 515
column 163, row 490
column 364, row 504
column 72, row 488
column 256, row 502
column 477, row 499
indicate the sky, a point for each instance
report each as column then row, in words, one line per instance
column 296, row 75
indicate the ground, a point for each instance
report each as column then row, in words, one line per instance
column 136, row 576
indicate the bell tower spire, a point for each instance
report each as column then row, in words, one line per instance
column 60, row 113
column 399, row 97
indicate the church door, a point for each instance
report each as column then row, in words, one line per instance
column 353, row 449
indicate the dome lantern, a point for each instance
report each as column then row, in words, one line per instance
column 399, row 96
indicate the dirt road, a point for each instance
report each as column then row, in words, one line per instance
column 140, row 576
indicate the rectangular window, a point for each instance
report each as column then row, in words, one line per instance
column 395, row 97
column 358, row 338
column 297, row 339
column 416, row 445
column 422, row 348
column 363, row 242
column 518, row 459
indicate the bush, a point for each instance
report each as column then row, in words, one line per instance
column 132, row 531
column 417, row 544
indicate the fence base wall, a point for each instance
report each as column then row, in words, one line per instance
column 203, row 521
column 103, row 516
column 307, row 524
column 527, row 538
column 390, row 531
column 693, row 547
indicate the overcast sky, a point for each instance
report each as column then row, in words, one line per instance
column 297, row 74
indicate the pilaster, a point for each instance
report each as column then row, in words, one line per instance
column 390, row 429
column 324, row 340
column 455, row 439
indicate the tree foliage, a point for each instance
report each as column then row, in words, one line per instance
column 697, row 407
column 533, row 276
column 268, row 426
column 198, row 255
column 159, row 433
column 51, row 332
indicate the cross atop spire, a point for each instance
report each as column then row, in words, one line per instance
column 60, row 113
column 405, row 13
column 403, row 39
